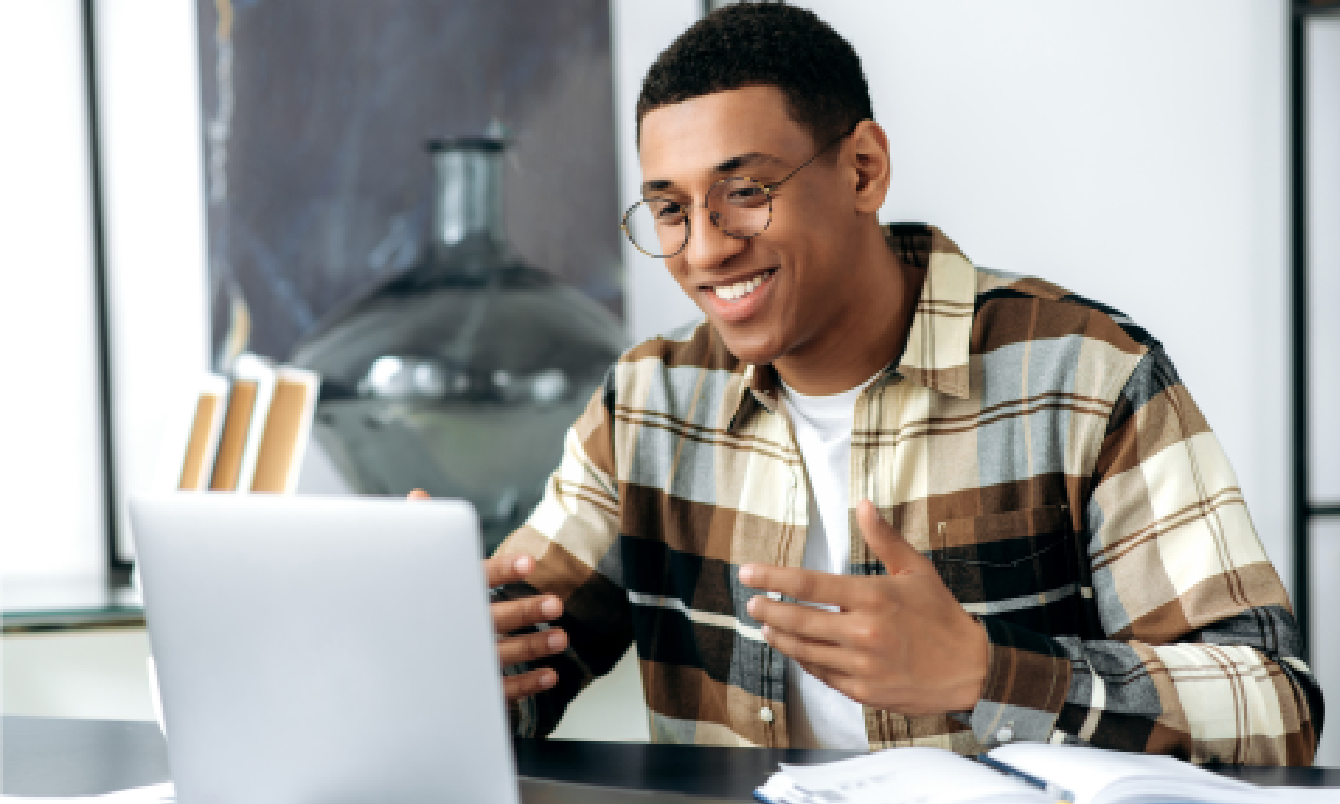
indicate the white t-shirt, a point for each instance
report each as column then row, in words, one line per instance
column 820, row 716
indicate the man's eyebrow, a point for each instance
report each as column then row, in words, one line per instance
column 728, row 167
column 751, row 159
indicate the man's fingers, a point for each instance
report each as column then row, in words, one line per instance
column 811, row 653
column 888, row 544
column 507, row 569
column 510, row 615
column 528, row 684
column 806, row 621
column 802, row 584
column 529, row 647
column 837, row 666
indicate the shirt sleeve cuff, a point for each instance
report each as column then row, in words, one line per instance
column 1027, row 679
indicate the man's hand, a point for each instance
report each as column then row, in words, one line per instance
column 899, row 642
column 512, row 615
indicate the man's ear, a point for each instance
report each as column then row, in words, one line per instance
column 868, row 156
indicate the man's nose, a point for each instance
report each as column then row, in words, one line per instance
column 709, row 247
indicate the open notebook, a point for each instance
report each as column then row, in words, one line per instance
column 1072, row 774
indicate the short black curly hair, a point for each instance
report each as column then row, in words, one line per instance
column 764, row 44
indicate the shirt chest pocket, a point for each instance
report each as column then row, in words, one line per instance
column 1021, row 566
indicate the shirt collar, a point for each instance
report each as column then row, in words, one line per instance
column 936, row 354
column 937, row 349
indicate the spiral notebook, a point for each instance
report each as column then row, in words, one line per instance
column 1026, row 773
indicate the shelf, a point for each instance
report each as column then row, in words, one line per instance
column 64, row 603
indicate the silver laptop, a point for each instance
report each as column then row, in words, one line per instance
column 325, row 650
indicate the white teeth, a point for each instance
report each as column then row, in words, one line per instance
column 740, row 289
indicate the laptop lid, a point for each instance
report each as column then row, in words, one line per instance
column 328, row 650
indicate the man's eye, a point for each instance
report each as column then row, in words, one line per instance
column 744, row 196
column 669, row 212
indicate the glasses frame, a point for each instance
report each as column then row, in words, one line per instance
column 769, row 189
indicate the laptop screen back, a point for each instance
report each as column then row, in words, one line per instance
column 323, row 650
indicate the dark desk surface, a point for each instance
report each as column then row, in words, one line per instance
column 65, row 757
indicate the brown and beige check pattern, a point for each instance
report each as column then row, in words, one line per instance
column 1037, row 446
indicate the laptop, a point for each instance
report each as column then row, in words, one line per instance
column 329, row 650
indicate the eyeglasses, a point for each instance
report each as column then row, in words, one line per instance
column 739, row 206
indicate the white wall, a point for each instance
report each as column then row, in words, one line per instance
column 51, row 512
column 50, row 479
column 654, row 303
column 1325, row 635
column 1324, row 256
column 1324, row 285
column 153, row 178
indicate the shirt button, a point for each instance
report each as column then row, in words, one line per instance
column 1005, row 734
column 765, row 714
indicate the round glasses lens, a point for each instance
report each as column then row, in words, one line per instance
column 657, row 226
column 740, row 207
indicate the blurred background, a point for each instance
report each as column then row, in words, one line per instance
column 316, row 119
column 187, row 180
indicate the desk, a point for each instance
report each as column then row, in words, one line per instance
column 73, row 645
column 62, row 757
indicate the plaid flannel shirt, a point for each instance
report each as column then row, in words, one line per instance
column 1037, row 446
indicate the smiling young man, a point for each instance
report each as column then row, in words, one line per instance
column 880, row 496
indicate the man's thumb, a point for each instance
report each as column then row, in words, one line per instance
column 887, row 543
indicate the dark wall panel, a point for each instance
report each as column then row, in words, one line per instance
column 318, row 180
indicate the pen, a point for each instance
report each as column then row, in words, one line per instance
column 1060, row 794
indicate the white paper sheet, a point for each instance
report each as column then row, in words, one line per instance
column 899, row 776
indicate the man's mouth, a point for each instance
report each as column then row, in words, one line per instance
column 741, row 289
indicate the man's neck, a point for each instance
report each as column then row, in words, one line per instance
column 871, row 332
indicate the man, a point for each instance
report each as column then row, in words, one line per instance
column 879, row 496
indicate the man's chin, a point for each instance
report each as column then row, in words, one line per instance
column 753, row 350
